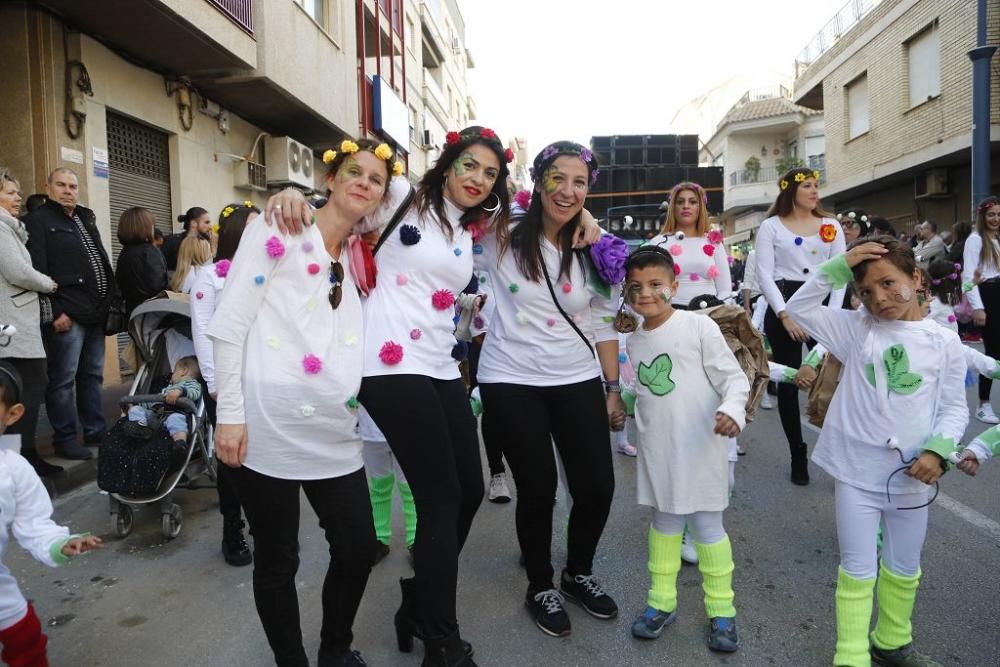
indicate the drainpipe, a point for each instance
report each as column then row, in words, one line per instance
column 980, row 57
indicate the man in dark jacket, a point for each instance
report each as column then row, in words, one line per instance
column 64, row 243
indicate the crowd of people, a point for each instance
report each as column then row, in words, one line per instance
column 328, row 338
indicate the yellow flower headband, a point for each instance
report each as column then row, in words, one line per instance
column 799, row 177
column 382, row 152
column 229, row 210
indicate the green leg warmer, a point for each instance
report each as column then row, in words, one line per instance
column 896, row 595
column 380, row 490
column 715, row 562
column 664, row 564
column 409, row 513
column 854, row 616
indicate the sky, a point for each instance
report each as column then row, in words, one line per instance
column 569, row 69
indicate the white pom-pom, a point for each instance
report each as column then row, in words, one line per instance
column 864, row 218
column 892, row 443
column 628, row 219
column 840, row 216
column 703, row 304
column 851, row 215
column 7, row 330
column 679, row 236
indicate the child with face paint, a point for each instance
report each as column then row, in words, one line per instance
column 690, row 399
column 907, row 376
column 26, row 510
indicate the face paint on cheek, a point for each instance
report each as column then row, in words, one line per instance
column 632, row 294
column 665, row 295
column 904, row 295
column 348, row 170
column 458, row 166
column 549, row 180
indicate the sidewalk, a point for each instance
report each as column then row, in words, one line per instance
column 76, row 473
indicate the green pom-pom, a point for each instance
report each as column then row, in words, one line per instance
column 514, row 287
column 353, row 403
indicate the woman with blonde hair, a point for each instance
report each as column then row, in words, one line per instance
column 193, row 253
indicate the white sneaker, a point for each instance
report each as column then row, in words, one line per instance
column 986, row 415
column 688, row 553
column 627, row 449
column 499, row 493
column 767, row 402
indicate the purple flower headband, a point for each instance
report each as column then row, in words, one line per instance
column 687, row 185
column 549, row 154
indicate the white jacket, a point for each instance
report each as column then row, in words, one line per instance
column 20, row 284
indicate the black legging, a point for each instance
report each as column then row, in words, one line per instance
column 789, row 353
column 491, row 443
column 528, row 419
column 430, row 428
column 225, row 483
column 989, row 291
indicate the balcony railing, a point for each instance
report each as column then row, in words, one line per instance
column 848, row 17
column 240, row 11
column 746, row 177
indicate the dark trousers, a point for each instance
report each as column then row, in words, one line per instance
column 491, row 443
column 788, row 352
column 430, row 428
column 528, row 419
column 225, row 483
column 33, row 380
column 989, row 291
column 345, row 515
column 76, row 362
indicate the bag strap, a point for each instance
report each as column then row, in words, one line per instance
column 396, row 217
column 562, row 312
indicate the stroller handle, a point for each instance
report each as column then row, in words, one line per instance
column 185, row 404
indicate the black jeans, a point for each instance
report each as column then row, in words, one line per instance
column 989, row 291
column 225, row 483
column 430, row 428
column 34, row 379
column 491, row 443
column 528, row 419
column 345, row 515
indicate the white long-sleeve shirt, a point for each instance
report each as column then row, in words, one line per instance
column 701, row 267
column 529, row 341
column 902, row 383
column 750, row 275
column 970, row 262
column 206, row 290
column 782, row 255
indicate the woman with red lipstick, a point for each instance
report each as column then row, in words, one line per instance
column 797, row 237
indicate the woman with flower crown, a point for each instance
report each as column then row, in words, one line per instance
column 287, row 369
column 796, row 237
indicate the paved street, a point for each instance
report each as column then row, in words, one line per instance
column 144, row 600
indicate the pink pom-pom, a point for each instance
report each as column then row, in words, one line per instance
column 443, row 299
column 523, row 199
column 713, row 272
column 675, row 249
column 275, row 248
column 478, row 322
column 732, row 259
column 312, row 364
column 695, row 276
column 401, row 279
column 567, row 288
column 708, row 249
column 415, row 334
column 222, row 268
column 677, row 269
column 313, row 269
column 715, row 236
column 550, row 322
column 199, row 295
column 952, row 318
column 391, row 353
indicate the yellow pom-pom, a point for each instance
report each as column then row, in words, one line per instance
column 348, row 146
column 329, row 156
column 248, row 204
column 383, row 152
column 799, row 177
column 228, row 211
column 215, row 228
column 397, row 168
column 816, row 174
column 783, row 184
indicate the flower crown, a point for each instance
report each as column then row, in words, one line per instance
column 479, row 133
column 688, row 186
column 989, row 202
column 799, row 177
column 852, row 215
column 554, row 150
column 232, row 208
column 382, row 152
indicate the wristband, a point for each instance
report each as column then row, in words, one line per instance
column 613, row 387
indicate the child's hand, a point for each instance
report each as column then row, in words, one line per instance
column 171, row 396
column 864, row 253
column 616, row 411
column 724, row 425
column 927, row 468
column 805, row 377
column 79, row 545
column 969, row 463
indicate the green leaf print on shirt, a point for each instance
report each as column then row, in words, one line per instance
column 897, row 367
column 656, row 376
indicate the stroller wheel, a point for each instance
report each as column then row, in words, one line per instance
column 122, row 520
column 171, row 522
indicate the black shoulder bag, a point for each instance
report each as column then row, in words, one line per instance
column 562, row 312
column 394, row 221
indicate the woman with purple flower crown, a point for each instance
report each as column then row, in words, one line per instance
column 540, row 377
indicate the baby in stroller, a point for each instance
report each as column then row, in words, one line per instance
column 184, row 383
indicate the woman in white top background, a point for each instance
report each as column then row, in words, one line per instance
column 796, row 237
column 982, row 254
column 193, row 254
column 540, row 379
column 286, row 337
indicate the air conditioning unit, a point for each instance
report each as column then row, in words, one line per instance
column 250, row 175
column 456, row 45
column 931, row 183
column 289, row 162
column 427, row 141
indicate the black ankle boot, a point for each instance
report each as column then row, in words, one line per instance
column 42, row 467
column 447, row 651
column 235, row 549
column 800, row 465
column 407, row 620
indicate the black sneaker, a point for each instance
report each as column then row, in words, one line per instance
column 585, row 591
column 235, row 549
column 547, row 609
column 904, row 656
column 722, row 634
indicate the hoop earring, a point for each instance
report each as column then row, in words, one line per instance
column 495, row 208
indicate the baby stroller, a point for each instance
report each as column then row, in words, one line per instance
column 138, row 472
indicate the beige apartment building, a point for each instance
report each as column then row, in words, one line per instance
column 894, row 82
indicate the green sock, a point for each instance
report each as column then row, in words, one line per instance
column 715, row 561
column 896, row 596
column 854, row 616
column 664, row 564
column 409, row 513
column 380, row 490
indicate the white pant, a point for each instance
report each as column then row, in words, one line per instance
column 858, row 516
column 379, row 461
column 705, row 527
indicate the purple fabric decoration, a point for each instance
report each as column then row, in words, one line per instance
column 609, row 255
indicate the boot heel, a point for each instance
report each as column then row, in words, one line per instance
column 404, row 639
